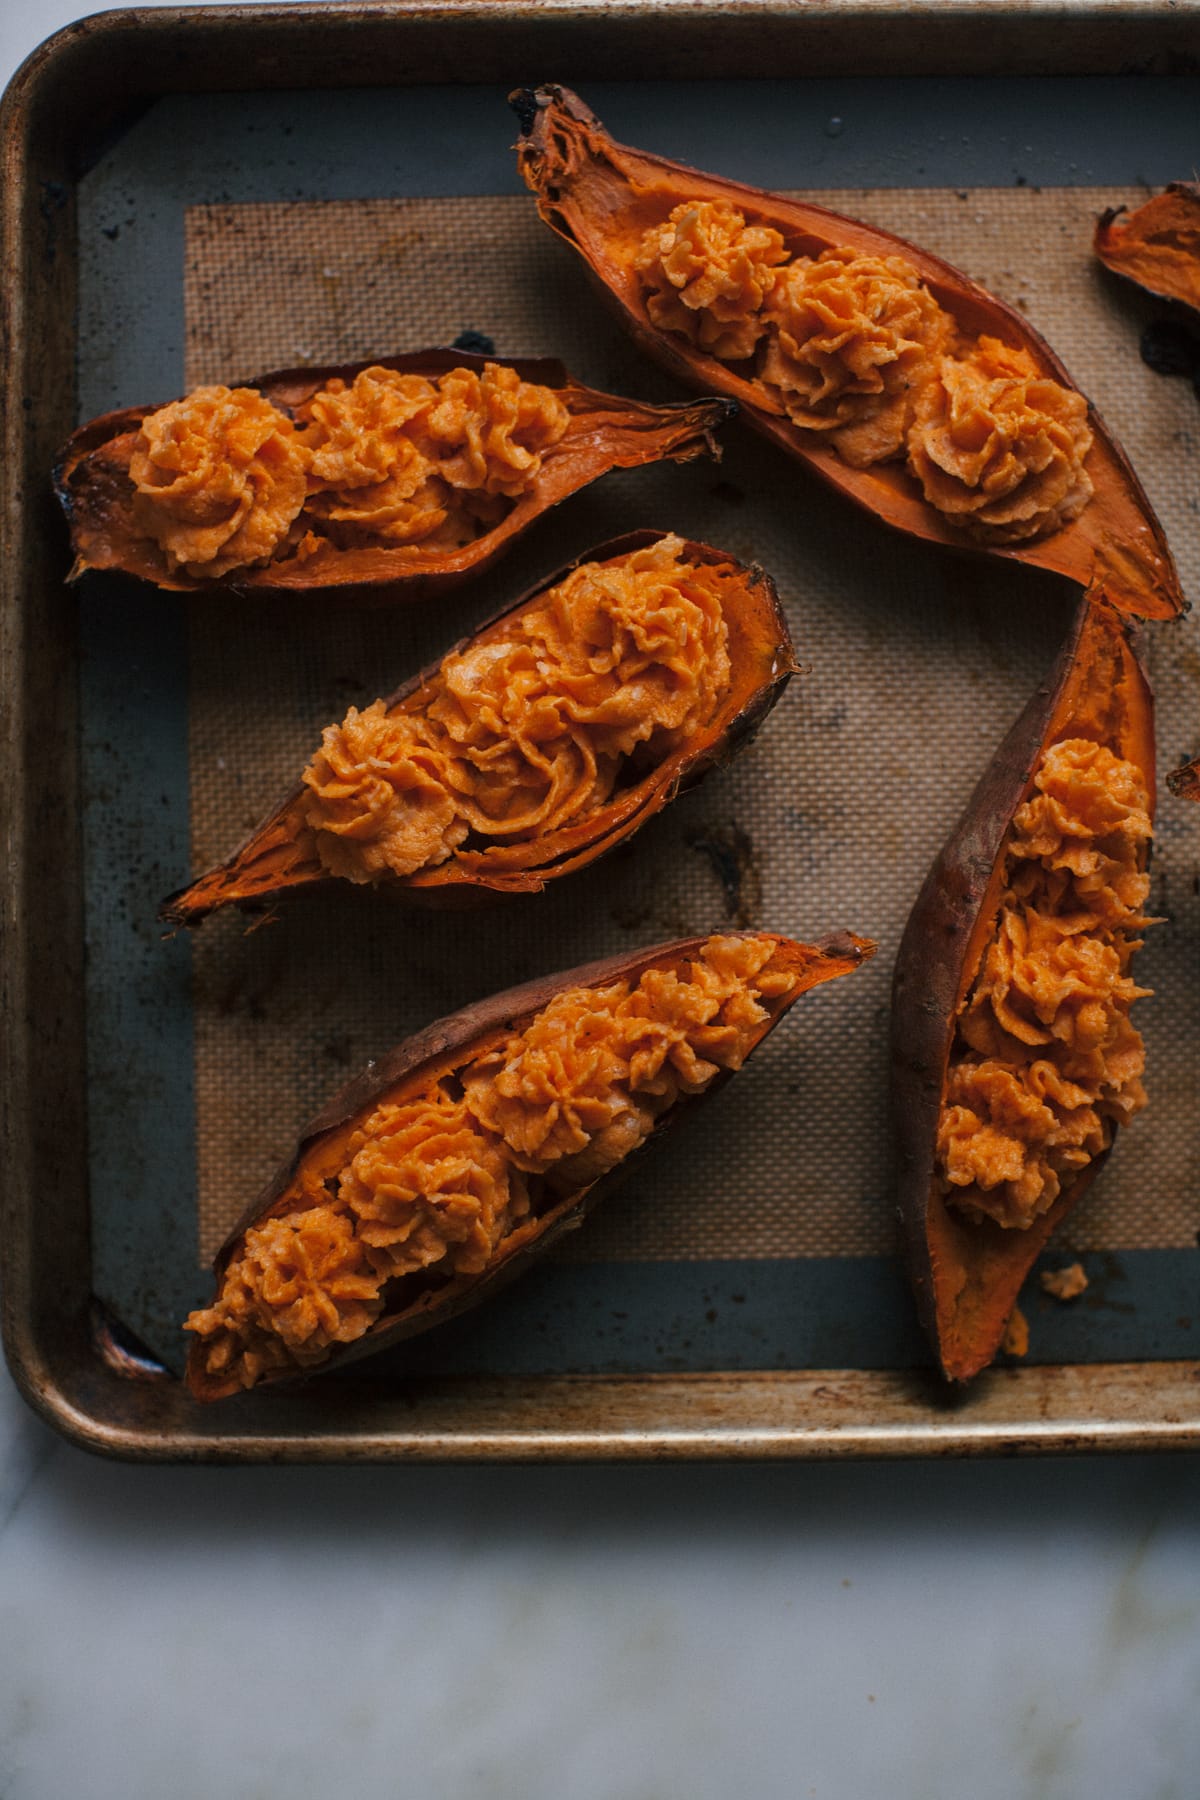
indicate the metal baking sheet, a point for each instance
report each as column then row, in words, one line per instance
column 672, row 1352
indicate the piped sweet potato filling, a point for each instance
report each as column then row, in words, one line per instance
column 856, row 347
column 1046, row 1060
column 225, row 480
column 853, row 339
column 998, row 448
column 528, row 731
column 709, row 274
column 447, row 1180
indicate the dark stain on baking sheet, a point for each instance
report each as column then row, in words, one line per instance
column 1170, row 347
column 729, row 852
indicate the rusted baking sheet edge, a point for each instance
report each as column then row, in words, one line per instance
column 177, row 49
column 751, row 1417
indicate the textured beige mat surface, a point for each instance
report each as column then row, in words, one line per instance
column 918, row 663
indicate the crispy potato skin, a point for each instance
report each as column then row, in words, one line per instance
column 1185, row 783
column 607, row 431
column 593, row 192
column 967, row 1275
column 267, row 866
column 1157, row 246
column 452, row 1042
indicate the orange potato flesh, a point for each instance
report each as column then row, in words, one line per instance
column 440, row 1172
column 603, row 198
column 281, row 855
column 1157, row 246
column 967, row 1272
column 388, row 515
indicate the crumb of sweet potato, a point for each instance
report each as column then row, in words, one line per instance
column 1015, row 1341
column 1064, row 1284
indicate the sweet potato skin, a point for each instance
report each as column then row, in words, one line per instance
column 452, row 1042
column 1157, row 246
column 766, row 662
column 582, row 178
column 607, row 432
column 966, row 1275
column 1184, row 783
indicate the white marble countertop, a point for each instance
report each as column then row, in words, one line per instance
column 985, row 1631
column 982, row 1631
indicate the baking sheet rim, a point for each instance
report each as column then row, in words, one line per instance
column 848, row 1412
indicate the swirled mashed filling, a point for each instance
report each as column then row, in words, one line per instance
column 853, row 338
column 856, row 347
column 486, row 432
column 998, row 448
column 370, row 482
column 219, row 479
column 527, row 732
column 707, row 274
column 399, row 459
column 425, row 1184
column 380, row 796
column 440, row 1182
column 225, row 480
column 582, row 1086
column 1046, row 1060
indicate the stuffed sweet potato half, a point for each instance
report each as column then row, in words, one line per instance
column 1014, row 1058
column 389, row 476
column 542, row 741
column 896, row 379
column 451, row 1162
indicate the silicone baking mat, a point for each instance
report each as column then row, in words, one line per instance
column 765, row 1236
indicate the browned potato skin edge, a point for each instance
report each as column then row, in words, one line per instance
column 1096, row 550
column 458, row 1035
column 448, row 885
column 673, row 430
column 1184, row 783
column 940, row 950
column 1110, row 234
